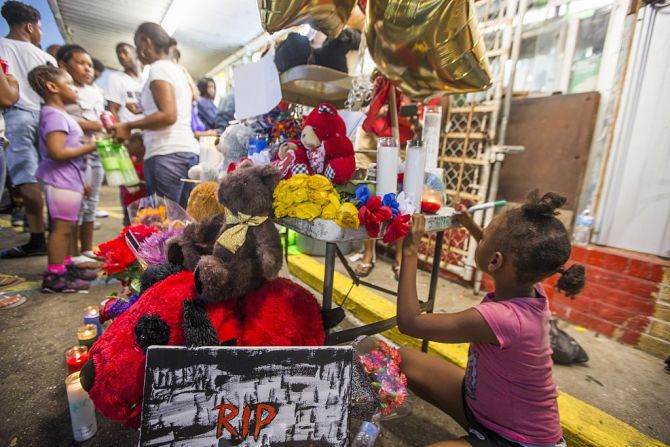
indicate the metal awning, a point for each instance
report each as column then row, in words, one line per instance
column 207, row 30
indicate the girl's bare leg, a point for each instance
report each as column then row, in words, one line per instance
column 436, row 381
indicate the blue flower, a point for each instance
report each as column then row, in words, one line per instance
column 390, row 201
column 362, row 195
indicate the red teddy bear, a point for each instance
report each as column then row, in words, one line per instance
column 323, row 148
column 279, row 313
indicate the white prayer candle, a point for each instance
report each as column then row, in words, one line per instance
column 387, row 166
column 82, row 412
column 432, row 120
column 415, row 168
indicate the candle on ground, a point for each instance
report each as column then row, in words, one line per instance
column 87, row 335
column 92, row 316
column 75, row 357
column 82, row 412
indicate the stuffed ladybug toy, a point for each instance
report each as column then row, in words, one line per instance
column 323, row 148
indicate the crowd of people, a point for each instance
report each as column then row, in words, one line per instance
column 50, row 122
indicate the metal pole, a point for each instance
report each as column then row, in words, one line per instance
column 328, row 277
column 434, row 275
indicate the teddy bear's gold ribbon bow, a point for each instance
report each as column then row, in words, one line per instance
column 234, row 237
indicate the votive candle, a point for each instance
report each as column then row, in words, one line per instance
column 415, row 170
column 387, row 165
column 87, row 335
column 75, row 357
column 92, row 316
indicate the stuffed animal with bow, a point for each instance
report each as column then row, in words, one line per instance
column 323, row 148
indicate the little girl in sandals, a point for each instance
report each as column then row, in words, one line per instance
column 506, row 396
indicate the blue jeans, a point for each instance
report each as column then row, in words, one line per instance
column 22, row 156
column 163, row 174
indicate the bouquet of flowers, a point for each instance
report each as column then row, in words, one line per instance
column 381, row 363
column 158, row 211
column 310, row 196
column 120, row 261
column 373, row 211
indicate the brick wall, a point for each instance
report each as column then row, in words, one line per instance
column 627, row 297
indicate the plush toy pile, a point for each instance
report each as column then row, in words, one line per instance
column 220, row 287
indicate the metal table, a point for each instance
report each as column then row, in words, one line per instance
column 329, row 232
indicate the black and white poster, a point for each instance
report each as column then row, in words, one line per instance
column 226, row 396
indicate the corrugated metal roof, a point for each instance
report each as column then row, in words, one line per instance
column 208, row 30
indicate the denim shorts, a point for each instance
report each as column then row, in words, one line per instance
column 21, row 155
column 163, row 174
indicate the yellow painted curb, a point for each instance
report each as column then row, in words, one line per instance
column 583, row 424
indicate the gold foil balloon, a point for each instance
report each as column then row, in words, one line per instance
column 327, row 16
column 428, row 47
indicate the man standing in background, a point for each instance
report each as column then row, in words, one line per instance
column 21, row 51
column 123, row 89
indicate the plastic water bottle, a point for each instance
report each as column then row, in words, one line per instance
column 367, row 435
column 581, row 234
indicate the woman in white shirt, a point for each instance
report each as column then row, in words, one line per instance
column 171, row 148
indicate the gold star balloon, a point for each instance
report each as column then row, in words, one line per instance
column 327, row 16
column 428, row 47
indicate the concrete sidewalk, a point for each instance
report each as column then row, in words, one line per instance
column 628, row 385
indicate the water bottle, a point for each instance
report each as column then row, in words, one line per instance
column 367, row 435
column 581, row 233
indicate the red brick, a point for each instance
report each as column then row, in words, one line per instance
column 621, row 282
column 578, row 254
column 607, row 261
column 630, row 338
column 640, row 269
column 637, row 324
column 592, row 322
column 656, row 273
column 613, row 314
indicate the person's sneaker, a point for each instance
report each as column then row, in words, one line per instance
column 81, row 273
column 90, row 254
column 63, row 283
column 17, row 216
column 101, row 214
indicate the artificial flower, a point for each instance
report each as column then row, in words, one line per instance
column 390, row 201
column 297, row 181
column 368, row 219
column 330, row 211
column 280, row 211
column 319, row 183
column 347, row 216
column 398, row 228
column 152, row 249
column 300, row 195
column 307, row 211
column 320, row 197
column 362, row 195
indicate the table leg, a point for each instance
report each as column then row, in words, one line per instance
column 329, row 276
column 434, row 276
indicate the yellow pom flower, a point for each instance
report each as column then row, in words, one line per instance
column 319, row 183
column 299, row 195
column 347, row 216
column 330, row 211
column 307, row 211
column 281, row 211
column 320, row 197
column 334, row 198
column 297, row 181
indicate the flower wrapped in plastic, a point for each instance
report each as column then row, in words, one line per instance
column 381, row 363
column 158, row 211
column 120, row 261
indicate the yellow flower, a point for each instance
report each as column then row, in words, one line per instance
column 320, row 197
column 330, row 211
column 347, row 216
column 307, row 211
column 334, row 198
column 280, row 188
column 299, row 195
column 280, row 211
column 297, row 181
column 319, row 183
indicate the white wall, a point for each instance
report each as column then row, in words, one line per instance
column 635, row 206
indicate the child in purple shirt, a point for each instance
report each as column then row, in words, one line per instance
column 61, row 174
column 506, row 396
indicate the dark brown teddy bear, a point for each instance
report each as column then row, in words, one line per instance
column 231, row 271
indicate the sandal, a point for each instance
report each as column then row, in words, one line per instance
column 8, row 280
column 7, row 302
column 396, row 271
column 363, row 269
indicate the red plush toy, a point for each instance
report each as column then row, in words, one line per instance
column 280, row 313
column 323, row 148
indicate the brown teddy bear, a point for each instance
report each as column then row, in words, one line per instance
column 234, row 254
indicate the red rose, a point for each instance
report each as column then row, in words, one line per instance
column 398, row 228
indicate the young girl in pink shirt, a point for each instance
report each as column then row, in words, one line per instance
column 506, row 396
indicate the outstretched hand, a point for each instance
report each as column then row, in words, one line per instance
column 411, row 243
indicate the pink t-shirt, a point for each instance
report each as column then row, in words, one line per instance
column 509, row 388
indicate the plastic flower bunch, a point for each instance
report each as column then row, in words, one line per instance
column 312, row 196
column 382, row 365
column 373, row 211
column 119, row 260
